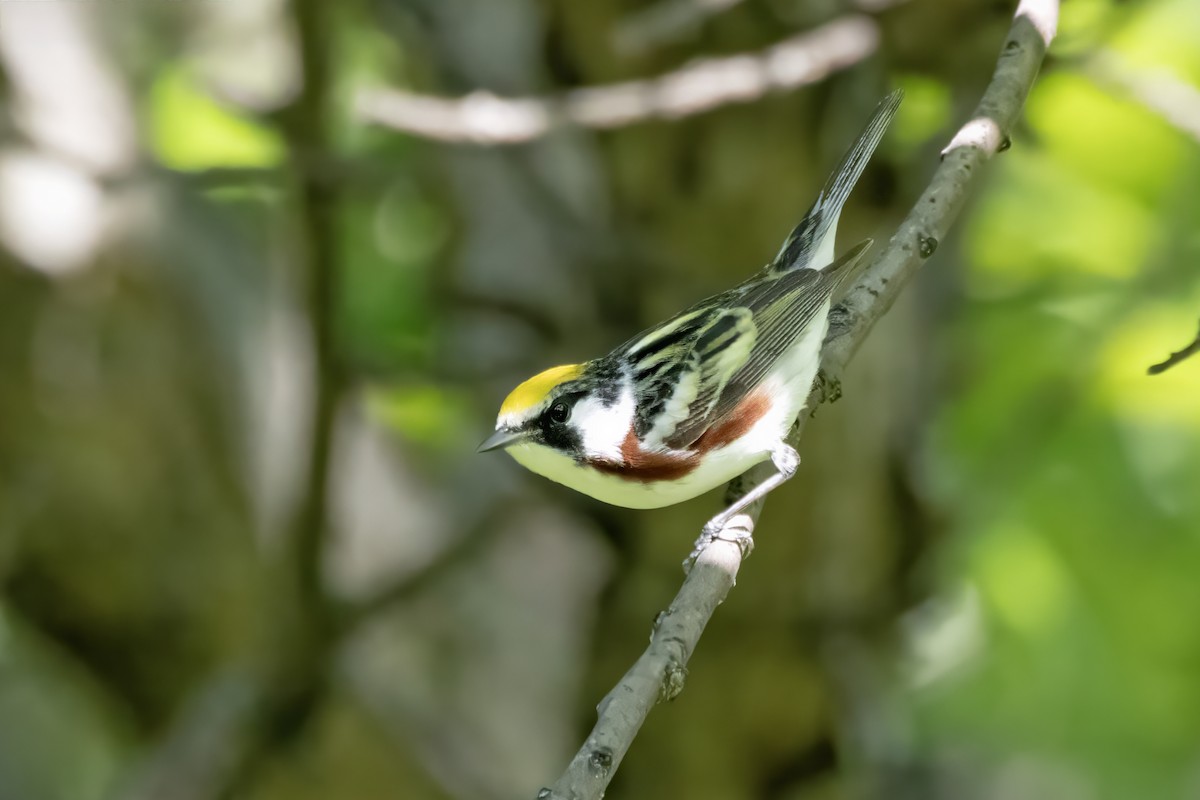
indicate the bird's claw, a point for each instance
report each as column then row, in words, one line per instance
column 719, row 528
column 707, row 535
column 831, row 388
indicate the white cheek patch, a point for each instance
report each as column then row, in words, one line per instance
column 603, row 428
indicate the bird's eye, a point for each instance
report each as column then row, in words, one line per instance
column 560, row 412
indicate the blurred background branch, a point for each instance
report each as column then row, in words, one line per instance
column 483, row 118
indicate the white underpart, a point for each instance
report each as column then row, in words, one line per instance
column 787, row 385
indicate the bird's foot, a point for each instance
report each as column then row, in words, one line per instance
column 726, row 528
column 831, row 388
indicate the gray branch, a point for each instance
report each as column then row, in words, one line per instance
column 658, row 674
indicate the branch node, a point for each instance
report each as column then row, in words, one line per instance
column 600, row 761
column 926, row 246
column 672, row 683
column 982, row 133
column 658, row 621
column 842, row 320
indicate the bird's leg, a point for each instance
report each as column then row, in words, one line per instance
column 786, row 461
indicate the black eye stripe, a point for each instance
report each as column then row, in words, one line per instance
column 553, row 428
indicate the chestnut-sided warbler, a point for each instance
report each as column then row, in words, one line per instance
column 697, row 400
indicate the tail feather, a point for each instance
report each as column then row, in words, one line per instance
column 811, row 243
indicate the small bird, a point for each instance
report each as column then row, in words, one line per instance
column 695, row 401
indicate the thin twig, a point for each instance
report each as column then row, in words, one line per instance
column 658, row 673
column 1176, row 357
column 486, row 119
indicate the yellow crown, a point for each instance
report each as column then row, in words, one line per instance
column 534, row 390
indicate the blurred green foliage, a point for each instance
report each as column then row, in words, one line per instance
column 1073, row 474
column 190, row 130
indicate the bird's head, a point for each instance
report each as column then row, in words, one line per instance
column 569, row 409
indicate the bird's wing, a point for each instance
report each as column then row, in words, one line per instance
column 667, row 363
column 696, row 368
column 811, row 242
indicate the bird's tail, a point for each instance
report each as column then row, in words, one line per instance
column 811, row 243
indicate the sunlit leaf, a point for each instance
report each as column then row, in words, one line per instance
column 190, row 130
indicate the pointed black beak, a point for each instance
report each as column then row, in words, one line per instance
column 501, row 439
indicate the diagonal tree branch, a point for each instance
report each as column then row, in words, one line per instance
column 485, row 119
column 659, row 673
